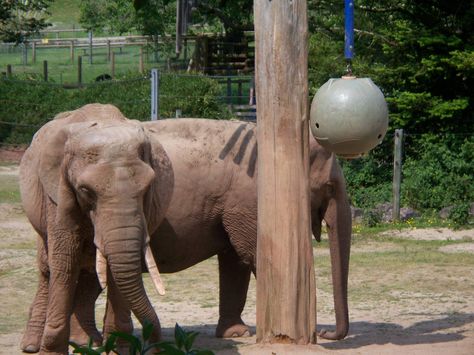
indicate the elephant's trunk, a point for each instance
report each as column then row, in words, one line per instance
column 338, row 219
column 124, row 248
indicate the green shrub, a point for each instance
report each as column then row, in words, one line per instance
column 182, row 345
column 27, row 104
column 459, row 214
column 441, row 175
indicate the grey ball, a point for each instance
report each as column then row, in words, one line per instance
column 349, row 116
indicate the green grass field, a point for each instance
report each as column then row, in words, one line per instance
column 64, row 14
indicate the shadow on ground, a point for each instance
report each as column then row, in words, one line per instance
column 207, row 340
column 433, row 331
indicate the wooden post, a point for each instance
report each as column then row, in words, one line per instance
column 45, row 70
column 397, row 173
column 71, row 50
column 286, row 290
column 108, row 50
column 141, row 66
column 112, row 64
column 33, row 52
column 79, row 70
column 9, row 70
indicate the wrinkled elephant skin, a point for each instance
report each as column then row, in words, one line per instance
column 89, row 180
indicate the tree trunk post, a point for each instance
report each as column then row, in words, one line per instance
column 286, row 290
column 9, row 71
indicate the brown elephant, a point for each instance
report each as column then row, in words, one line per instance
column 213, row 210
column 91, row 179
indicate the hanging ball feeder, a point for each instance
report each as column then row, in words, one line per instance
column 349, row 116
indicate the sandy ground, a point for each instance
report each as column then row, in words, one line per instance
column 421, row 309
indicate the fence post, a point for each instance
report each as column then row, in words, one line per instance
column 229, row 87
column 108, row 50
column 112, row 64
column 25, row 53
column 71, row 49
column 33, row 52
column 141, row 67
column 9, row 70
column 79, row 70
column 90, row 47
column 155, row 94
column 397, row 173
column 45, row 70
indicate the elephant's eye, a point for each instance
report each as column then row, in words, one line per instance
column 84, row 190
column 331, row 188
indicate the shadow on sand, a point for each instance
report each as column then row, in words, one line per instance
column 207, row 340
column 426, row 332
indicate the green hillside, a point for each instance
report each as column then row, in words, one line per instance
column 64, row 14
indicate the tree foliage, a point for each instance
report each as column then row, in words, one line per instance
column 21, row 19
column 421, row 54
column 152, row 17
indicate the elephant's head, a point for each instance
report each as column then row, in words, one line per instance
column 329, row 202
column 116, row 175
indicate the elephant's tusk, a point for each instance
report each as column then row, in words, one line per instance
column 101, row 268
column 153, row 270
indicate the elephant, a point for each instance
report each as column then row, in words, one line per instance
column 91, row 182
column 213, row 210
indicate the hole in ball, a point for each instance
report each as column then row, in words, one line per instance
column 380, row 136
column 317, row 125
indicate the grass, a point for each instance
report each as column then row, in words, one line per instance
column 64, row 14
column 9, row 192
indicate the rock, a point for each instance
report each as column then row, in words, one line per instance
column 385, row 210
column 444, row 213
column 357, row 215
column 408, row 213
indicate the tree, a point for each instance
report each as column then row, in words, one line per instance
column 421, row 53
column 21, row 19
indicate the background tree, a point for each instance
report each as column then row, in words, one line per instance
column 21, row 19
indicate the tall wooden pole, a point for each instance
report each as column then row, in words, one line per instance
column 286, row 291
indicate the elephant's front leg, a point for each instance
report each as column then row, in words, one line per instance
column 83, row 326
column 234, row 278
column 64, row 255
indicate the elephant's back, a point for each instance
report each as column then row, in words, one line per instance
column 219, row 145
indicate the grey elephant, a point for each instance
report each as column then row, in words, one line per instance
column 213, row 210
column 91, row 180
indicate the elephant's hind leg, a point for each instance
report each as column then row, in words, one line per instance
column 234, row 277
column 31, row 340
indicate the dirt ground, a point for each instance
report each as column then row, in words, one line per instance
column 411, row 292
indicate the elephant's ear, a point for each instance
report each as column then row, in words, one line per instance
column 160, row 193
column 51, row 155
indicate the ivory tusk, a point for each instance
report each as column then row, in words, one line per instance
column 101, row 268
column 153, row 270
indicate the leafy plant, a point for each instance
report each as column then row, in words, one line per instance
column 459, row 214
column 182, row 345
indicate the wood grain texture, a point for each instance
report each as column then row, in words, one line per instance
column 286, row 295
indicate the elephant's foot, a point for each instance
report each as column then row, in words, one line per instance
column 232, row 329
column 81, row 337
column 31, row 341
